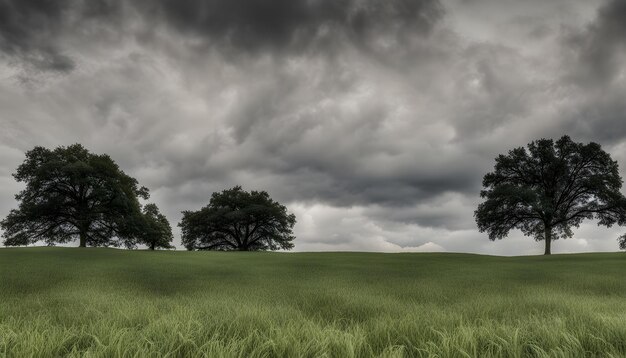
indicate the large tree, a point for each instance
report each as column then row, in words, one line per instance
column 157, row 232
column 550, row 187
column 238, row 220
column 73, row 194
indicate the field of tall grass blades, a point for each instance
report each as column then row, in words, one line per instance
column 116, row 303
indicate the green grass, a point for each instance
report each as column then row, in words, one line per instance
column 108, row 303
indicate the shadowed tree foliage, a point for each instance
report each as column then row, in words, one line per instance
column 549, row 188
column 73, row 194
column 622, row 242
column 157, row 232
column 238, row 220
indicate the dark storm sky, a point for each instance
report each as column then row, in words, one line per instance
column 374, row 121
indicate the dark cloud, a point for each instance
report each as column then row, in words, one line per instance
column 251, row 25
column 594, row 68
column 600, row 116
column 28, row 29
column 34, row 32
column 600, row 48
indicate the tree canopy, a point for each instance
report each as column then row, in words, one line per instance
column 238, row 220
column 73, row 194
column 550, row 187
column 157, row 232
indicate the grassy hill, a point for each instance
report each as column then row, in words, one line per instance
column 104, row 302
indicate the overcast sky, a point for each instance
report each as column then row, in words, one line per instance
column 374, row 121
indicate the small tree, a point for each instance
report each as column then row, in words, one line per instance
column 549, row 188
column 157, row 232
column 238, row 220
column 73, row 194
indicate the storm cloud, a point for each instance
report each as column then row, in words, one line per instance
column 374, row 121
column 39, row 32
column 286, row 24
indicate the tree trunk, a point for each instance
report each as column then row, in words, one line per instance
column 83, row 238
column 548, row 239
column 243, row 248
column 152, row 246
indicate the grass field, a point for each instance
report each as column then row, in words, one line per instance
column 108, row 303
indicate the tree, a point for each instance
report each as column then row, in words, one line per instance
column 157, row 232
column 238, row 220
column 73, row 194
column 548, row 189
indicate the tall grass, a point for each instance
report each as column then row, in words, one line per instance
column 114, row 303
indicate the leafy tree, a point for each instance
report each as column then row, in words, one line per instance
column 549, row 188
column 73, row 194
column 238, row 220
column 157, row 232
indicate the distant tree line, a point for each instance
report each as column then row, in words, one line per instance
column 74, row 195
column 544, row 190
